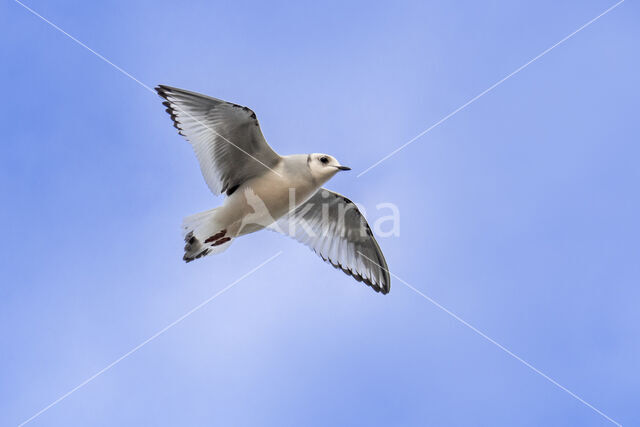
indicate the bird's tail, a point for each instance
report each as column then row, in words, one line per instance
column 204, row 235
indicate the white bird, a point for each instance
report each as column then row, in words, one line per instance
column 266, row 190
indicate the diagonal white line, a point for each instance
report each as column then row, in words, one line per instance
column 137, row 81
column 151, row 338
column 487, row 90
column 494, row 342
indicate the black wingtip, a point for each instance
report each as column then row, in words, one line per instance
column 376, row 287
column 384, row 290
column 162, row 90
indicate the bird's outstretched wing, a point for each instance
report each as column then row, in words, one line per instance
column 226, row 138
column 333, row 227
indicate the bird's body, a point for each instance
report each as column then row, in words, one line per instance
column 265, row 189
column 280, row 193
column 287, row 187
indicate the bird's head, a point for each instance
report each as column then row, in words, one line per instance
column 323, row 166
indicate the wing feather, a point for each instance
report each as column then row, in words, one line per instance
column 341, row 236
column 225, row 137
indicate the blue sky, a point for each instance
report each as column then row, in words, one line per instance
column 519, row 214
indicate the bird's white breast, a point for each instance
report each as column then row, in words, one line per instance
column 262, row 200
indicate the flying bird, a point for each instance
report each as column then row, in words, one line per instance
column 266, row 190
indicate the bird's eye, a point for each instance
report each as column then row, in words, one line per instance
column 324, row 160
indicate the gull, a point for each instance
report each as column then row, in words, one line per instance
column 267, row 191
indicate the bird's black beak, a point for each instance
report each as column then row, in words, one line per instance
column 343, row 168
